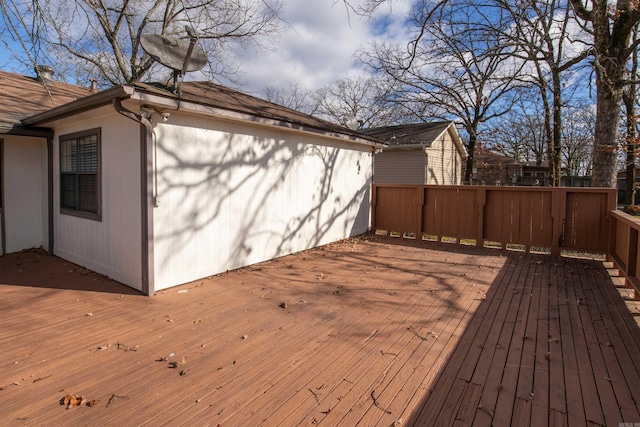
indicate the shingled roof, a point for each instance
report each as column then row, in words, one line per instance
column 218, row 100
column 23, row 96
column 423, row 134
column 217, row 96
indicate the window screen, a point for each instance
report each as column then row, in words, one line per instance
column 80, row 173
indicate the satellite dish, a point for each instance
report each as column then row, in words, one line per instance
column 351, row 122
column 180, row 55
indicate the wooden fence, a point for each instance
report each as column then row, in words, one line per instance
column 527, row 217
column 625, row 248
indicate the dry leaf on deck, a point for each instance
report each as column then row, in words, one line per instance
column 72, row 400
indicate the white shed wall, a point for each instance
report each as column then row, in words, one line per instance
column 112, row 246
column 25, row 193
column 232, row 195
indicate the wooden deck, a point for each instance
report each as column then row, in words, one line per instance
column 365, row 332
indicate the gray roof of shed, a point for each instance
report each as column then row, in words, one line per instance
column 411, row 134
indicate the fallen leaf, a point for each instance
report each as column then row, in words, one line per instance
column 71, row 400
column 93, row 402
column 89, row 314
column 197, row 321
column 103, row 347
column 183, row 291
column 244, row 337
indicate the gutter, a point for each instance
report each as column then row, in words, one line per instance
column 140, row 94
column 235, row 116
column 146, row 187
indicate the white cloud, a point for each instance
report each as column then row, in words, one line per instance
column 318, row 44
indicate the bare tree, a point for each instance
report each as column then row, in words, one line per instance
column 102, row 37
column 360, row 98
column 544, row 33
column 520, row 133
column 612, row 26
column 294, row 96
column 578, row 138
column 455, row 68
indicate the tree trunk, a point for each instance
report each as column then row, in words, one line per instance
column 471, row 147
column 555, row 163
column 629, row 99
column 609, row 101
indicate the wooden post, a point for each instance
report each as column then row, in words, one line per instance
column 558, row 213
column 481, row 201
column 420, row 190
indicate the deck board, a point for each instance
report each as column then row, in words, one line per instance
column 375, row 331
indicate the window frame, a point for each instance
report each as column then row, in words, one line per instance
column 96, row 216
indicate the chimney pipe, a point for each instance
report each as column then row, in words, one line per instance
column 94, row 85
column 44, row 73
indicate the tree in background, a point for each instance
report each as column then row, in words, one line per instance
column 612, row 25
column 294, row 96
column 578, row 138
column 101, row 38
column 521, row 132
column 544, row 33
column 454, row 69
column 363, row 99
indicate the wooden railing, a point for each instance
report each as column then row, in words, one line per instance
column 625, row 248
column 527, row 217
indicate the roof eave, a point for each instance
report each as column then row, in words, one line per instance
column 78, row 106
column 226, row 114
column 126, row 91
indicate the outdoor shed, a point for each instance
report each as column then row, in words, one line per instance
column 423, row 153
column 157, row 187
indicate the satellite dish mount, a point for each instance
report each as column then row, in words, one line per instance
column 179, row 55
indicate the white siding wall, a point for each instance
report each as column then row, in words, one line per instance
column 111, row 246
column 444, row 162
column 232, row 195
column 400, row 167
column 25, row 193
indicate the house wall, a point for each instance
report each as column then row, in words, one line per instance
column 232, row 195
column 111, row 246
column 400, row 167
column 25, row 193
column 444, row 162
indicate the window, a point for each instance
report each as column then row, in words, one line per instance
column 80, row 174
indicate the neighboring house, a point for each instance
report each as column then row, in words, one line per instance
column 423, row 153
column 25, row 158
column 155, row 189
column 491, row 168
